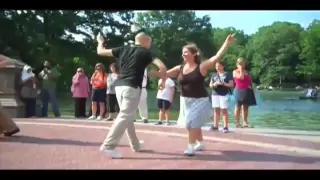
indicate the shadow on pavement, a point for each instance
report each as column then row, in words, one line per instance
column 233, row 155
column 43, row 141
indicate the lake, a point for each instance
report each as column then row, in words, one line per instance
column 283, row 110
column 276, row 109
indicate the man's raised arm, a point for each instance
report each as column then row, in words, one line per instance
column 101, row 51
column 4, row 61
column 162, row 69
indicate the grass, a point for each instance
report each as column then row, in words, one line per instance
column 67, row 106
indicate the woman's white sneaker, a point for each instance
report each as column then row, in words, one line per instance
column 92, row 118
column 111, row 153
column 199, row 147
column 189, row 151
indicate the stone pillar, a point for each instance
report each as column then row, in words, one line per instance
column 9, row 88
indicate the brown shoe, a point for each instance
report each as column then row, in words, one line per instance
column 109, row 118
column 12, row 132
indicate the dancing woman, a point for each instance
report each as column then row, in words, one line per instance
column 196, row 106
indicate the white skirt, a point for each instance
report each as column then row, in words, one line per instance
column 194, row 112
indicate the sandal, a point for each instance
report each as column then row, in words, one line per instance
column 247, row 126
column 110, row 119
column 239, row 126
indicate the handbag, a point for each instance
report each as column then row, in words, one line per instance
column 28, row 92
column 251, row 98
column 72, row 88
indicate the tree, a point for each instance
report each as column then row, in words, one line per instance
column 275, row 52
column 171, row 30
column 236, row 50
column 36, row 35
column 310, row 54
column 281, row 52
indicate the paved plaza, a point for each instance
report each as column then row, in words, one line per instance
column 74, row 144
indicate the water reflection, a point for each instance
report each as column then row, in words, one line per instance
column 283, row 110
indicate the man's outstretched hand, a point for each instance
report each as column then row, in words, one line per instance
column 100, row 39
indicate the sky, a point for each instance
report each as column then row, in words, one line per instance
column 251, row 21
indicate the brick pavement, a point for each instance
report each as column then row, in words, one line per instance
column 236, row 135
column 58, row 147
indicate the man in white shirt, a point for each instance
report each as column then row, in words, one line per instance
column 143, row 105
column 165, row 98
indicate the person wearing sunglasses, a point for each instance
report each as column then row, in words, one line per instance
column 98, row 95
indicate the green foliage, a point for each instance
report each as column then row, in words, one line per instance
column 276, row 54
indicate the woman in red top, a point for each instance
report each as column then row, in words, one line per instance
column 99, row 84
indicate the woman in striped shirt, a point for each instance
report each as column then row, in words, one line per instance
column 112, row 103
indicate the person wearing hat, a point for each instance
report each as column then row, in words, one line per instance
column 28, row 91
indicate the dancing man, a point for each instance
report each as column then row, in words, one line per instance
column 132, row 61
column 7, row 126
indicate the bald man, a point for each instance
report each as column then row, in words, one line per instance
column 7, row 126
column 132, row 61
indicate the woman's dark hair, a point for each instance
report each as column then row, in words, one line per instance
column 221, row 63
column 115, row 67
column 193, row 48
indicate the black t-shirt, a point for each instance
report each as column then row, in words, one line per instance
column 132, row 61
column 221, row 90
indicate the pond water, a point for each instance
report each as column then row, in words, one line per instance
column 277, row 109
column 283, row 110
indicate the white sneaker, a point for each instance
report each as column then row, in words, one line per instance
column 189, row 151
column 141, row 142
column 92, row 117
column 199, row 147
column 99, row 118
column 111, row 153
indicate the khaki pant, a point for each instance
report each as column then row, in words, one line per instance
column 128, row 99
column 6, row 122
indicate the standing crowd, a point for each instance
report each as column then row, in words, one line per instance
column 119, row 94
